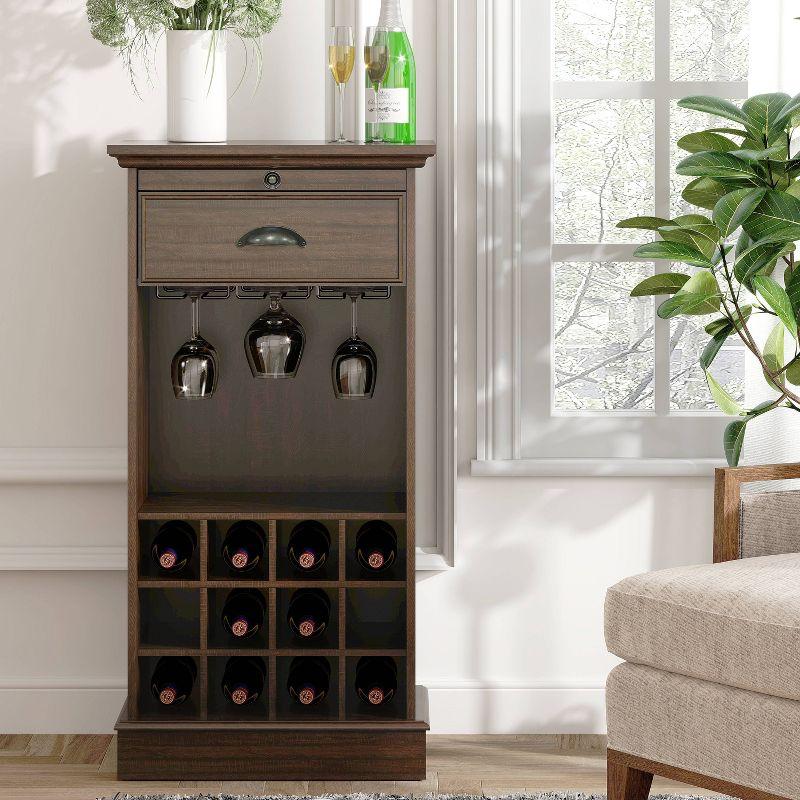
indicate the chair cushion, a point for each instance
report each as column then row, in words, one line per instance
column 735, row 623
column 768, row 523
column 726, row 733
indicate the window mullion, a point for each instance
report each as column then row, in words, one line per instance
column 662, row 188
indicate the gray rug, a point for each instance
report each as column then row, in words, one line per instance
column 537, row 796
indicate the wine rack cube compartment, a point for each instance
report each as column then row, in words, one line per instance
column 271, row 452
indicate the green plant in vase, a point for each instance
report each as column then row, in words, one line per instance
column 746, row 176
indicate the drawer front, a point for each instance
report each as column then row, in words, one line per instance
column 285, row 180
column 348, row 238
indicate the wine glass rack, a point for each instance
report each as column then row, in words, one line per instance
column 202, row 222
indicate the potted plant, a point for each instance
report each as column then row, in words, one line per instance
column 746, row 176
column 197, row 94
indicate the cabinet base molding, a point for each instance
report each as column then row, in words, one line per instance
column 208, row 750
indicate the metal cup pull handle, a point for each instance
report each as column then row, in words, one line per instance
column 271, row 235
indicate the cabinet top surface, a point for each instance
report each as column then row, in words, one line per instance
column 310, row 154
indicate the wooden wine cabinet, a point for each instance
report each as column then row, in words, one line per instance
column 275, row 452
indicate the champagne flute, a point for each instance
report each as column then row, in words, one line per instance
column 341, row 58
column 376, row 61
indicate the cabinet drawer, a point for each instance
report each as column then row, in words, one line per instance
column 197, row 238
column 259, row 180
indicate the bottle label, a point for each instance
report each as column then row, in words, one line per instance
column 375, row 560
column 307, row 627
column 168, row 559
column 167, row 695
column 240, row 627
column 371, row 109
column 240, row 695
column 393, row 106
column 375, row 696
column 306, row 559
column 239, row 559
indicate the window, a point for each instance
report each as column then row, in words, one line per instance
column 592, row 123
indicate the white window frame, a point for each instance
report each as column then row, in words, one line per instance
column 514, row 282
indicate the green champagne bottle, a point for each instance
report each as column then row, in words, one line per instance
column 397, row 101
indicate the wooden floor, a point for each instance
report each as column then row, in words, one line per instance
column 72, row 767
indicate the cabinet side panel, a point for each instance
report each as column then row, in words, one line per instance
column 410, row 436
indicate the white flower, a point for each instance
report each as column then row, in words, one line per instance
column 183, row 3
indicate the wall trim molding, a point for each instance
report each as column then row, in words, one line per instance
column 64, row 558
column 44, row 465
column 596, row 468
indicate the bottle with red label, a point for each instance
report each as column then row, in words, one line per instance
column 309, row 680
column 173, row 679
column 173, row 546
column 309, row 546
column 244, row 546
column 243, row 613
column 309, row 613
column 376, row 545
column 376, row 679
column 243, row 680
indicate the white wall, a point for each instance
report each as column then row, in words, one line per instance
column 508, row 641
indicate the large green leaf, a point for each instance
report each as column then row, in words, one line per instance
column 744, row 242
column 792, row 281
column 756, row 258
column 793, row 373
column 704, row 238
column 643, row 223
column 728, row 131
column 774, row 295
column 793, row 189
column 717, row 165
column 733, row 439
column 763, row 111
column 785, row 115
column 706, row 140
column 673, row 251
column 716, row 106
column 773, row 353
column 733, row 209
column 703, row 192
column 713, row 347
column 662, row 283
column 775, row 219
column 724, row 324
column 699, row 295
column 691, row 220
column 725, row 402
column 775, row 153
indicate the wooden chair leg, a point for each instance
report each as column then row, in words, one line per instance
column 627, row 783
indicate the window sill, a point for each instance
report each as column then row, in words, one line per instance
column 597, row 468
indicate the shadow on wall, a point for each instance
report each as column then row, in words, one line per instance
column 63, row 233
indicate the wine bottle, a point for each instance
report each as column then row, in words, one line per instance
column 376, row 679
column 173, row 546
column 309, row 613
column 173, row 679
column 376, row 545
column 309, row 679
column 244, row 546
column 397, row 99
column 309, row 545
column 243, row 613
column 243, row 679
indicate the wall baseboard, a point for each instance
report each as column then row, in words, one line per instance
column 473, row 707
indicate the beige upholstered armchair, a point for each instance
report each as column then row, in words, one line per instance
column 709, row 693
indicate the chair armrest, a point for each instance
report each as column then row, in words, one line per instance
column 727, row 502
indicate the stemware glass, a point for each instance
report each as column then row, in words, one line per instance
column 274, row 343
column 355, row 365
column 195, row 366
column 376, row 62
column 341, row 58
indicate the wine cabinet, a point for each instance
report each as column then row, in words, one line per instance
column 221, row 645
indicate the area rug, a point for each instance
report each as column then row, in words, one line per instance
column 510, row 796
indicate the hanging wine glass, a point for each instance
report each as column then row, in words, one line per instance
column 355, row 365
column 274, row 343
column 194, row 366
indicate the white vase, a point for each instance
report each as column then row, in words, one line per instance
column 197, row 86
